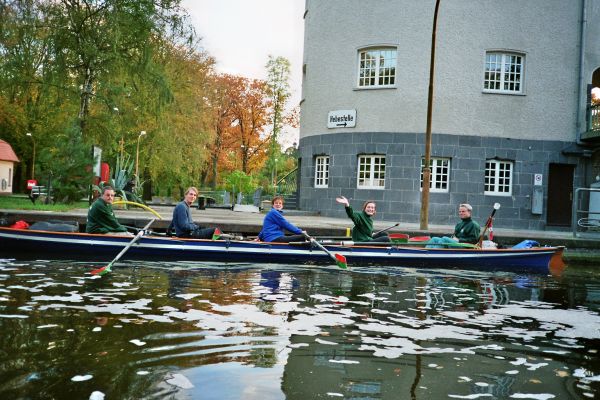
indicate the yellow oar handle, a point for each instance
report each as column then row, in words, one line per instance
column 133, row 203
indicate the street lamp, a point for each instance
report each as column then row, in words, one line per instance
column 33, row 157
column 137, row 153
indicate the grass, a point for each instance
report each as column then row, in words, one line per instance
column 16, row 202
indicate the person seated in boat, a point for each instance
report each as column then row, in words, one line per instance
column 184, row 224
column 363, row 222
column 466, row 231
column 275, row 225
column 101, row 217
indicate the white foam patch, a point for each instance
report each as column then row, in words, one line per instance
column 97, row 329
column 47, row 326
column 583, row 373
column 298, row 345
column 13, row 316
column 81, row 378
column 333, row 394
column 4, row 299
column 188, row 296
column 579, row 323
column 470, row 396
column 325, row 342
column 344, row 361
column 180, row 381
column 534, row 396
column 142, row 372
column 73, row 298
column 97, row 395
column 137, row 342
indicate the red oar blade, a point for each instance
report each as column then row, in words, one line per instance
column 101, row 271
column 341, row 261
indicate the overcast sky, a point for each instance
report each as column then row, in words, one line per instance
column 241, row 34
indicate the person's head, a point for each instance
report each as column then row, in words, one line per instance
column 190, row 195
column 277, row 202
column 464, row 210
column 369, row 207
column 108, row 194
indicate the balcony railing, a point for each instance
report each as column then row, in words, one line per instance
column 593, row 123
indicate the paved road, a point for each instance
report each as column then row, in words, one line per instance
column 249, row 223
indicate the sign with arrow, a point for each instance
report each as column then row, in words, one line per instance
column 341, row 119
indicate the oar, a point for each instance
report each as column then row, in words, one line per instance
column 386, row 229
column 488, row 223
column 107, row 269
column 339, row 259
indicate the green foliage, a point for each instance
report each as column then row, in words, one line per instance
column 67, row 165
column 237, row 181
column 121, row 175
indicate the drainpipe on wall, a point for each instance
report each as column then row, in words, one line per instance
column 582, row 44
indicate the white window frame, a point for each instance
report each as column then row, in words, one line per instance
column 498, row 66
column 321, row 171
column 382, row 65
column 498, row 179
column 371, row 172
column 439, row 180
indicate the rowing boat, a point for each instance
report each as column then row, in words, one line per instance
column 105, row 247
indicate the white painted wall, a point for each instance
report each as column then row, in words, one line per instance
column 7, row 169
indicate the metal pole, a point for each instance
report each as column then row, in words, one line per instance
column 33, row 156
column 424, row 220
column 137, row 153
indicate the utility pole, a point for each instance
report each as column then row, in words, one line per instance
column 424, row 220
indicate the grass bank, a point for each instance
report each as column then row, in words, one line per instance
column 23, row 203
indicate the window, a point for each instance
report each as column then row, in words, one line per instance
column 498, row 177
column 322, row 171
column 371, row 172
column 503, row 73
column 377, row 67
column 440, row 174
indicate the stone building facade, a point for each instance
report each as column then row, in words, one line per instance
column 511, row 118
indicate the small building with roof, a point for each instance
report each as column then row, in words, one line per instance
column 8, row 158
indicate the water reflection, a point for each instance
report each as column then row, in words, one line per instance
column 270, row 332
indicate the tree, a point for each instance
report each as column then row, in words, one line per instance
column 278, row 75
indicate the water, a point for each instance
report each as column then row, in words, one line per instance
column 157, row 331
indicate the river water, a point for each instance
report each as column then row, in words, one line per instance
column 208, row 331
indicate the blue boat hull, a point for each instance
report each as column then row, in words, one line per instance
column 105, row 248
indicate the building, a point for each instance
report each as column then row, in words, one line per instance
column 8, row 158
column 513, row 120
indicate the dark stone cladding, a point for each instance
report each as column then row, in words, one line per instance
column 400, row 201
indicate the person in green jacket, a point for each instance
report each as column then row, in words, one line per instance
column 466, row 231
column 363, row 222
column 101, row 218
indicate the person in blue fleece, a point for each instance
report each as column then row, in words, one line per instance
column 275, row 225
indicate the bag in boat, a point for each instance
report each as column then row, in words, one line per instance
column 488, row 244
column 19, row 225
column 55, row 226
column 526, row 244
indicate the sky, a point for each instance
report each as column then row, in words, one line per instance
column 241, row 34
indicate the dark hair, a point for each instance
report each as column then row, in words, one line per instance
column 277, row 198
column 106, row 188
column 367, row 203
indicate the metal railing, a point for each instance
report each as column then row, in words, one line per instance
column 594, row 117
column 584, row 219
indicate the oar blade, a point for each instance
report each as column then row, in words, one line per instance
column 101, row 271
column 340, row 260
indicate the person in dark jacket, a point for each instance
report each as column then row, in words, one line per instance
column 275, row 225
column 101, row 218
column 363, row 222
column 184, row 224
column 466, row 231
